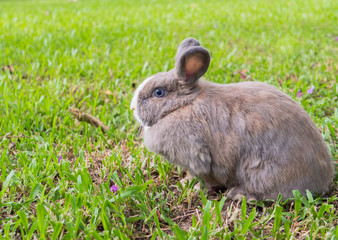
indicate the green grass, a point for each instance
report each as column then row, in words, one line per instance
column 89, row 55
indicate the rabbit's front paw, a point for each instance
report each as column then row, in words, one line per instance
column 188, row 179
column 237, row 193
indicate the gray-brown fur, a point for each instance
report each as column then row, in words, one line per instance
column 247, row 137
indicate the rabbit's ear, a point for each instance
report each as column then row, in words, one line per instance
column 192, row 61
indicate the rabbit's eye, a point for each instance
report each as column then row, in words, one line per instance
column 159, row 92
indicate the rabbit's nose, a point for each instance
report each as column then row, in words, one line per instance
column 133, row 108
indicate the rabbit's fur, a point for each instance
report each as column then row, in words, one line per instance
column 247, row 137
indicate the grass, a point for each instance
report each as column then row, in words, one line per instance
column 56, row 55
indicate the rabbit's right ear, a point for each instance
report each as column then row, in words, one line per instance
column 192, row 61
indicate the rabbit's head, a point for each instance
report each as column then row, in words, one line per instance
column 166, row 92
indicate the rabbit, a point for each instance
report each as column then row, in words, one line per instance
column 248, row 138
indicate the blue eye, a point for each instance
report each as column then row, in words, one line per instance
column 159, row 92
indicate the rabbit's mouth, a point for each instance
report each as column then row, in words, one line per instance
column 139, row 119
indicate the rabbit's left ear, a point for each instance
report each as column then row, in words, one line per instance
column 192, row 61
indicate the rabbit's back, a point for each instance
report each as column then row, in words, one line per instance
column 269, row 142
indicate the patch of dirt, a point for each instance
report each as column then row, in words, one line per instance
column 98, row 162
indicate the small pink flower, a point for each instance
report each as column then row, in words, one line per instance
column 114, row 189
column 299, row 93
column 310, row 91
column 60, row 158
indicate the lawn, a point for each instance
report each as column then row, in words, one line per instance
column 62, row 178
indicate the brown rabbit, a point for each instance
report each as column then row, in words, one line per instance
column 247, row 137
